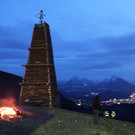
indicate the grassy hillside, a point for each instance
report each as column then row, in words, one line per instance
column 53, row 121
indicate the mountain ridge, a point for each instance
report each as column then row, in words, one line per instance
column 76, row 88
column 111, row 86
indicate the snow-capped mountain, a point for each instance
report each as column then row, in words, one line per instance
column 112, row 79
column 76, row 82
column 81, row 88
column 83, row 82
column 115, row 83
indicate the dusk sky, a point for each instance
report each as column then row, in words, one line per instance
column 94, row 39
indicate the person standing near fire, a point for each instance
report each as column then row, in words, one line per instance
column 96, row 108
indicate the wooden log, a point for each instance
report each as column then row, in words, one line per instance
column 34, row 83
column 37, row 48
column 38, row 65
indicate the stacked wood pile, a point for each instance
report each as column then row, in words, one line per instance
column 39, row 81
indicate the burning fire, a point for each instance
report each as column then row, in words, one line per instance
column 8, row 112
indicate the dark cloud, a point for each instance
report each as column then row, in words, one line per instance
column 72, row 57
column 114, row 54
column 18, row 37
column 119, row 42
column 87, row 63
column 123, row 56
column 94, row 55
column 63, row 46
column 13, row 54
column 106, row 65
column 12, row 43
column 99, row 57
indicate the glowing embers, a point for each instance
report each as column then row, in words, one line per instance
column 6, row 113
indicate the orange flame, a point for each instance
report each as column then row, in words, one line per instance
column 7, row 113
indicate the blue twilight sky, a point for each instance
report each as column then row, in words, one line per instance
column 91, row 38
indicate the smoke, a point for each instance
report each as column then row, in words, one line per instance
column 9, row 101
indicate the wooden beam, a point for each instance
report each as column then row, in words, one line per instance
column 37, row 48
column 30, row 65
column 38, row 41
column 37, row 83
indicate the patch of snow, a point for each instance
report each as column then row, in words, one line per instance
column 85, row 84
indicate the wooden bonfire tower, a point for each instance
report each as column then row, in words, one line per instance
column 39, row 83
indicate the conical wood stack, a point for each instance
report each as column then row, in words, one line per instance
column 39, row 83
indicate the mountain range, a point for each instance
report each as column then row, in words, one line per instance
column 75, row 88
column 82, row 88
